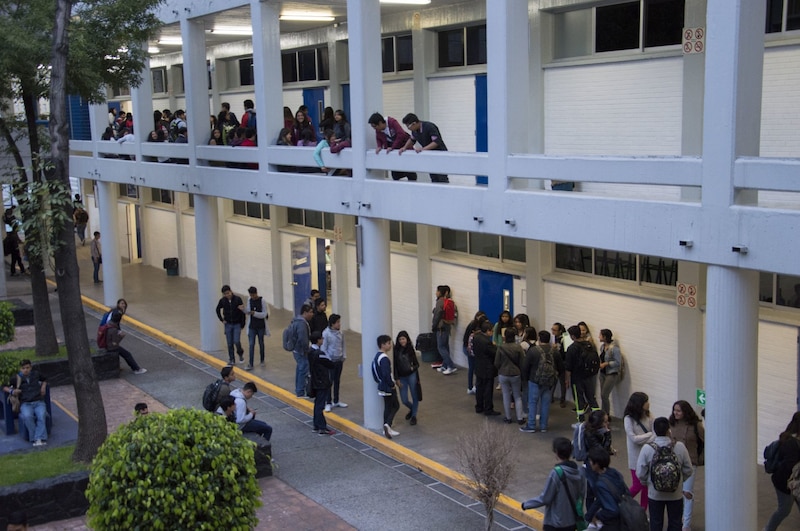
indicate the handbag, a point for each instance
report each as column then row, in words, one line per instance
column 580, row 520
column 14, row 401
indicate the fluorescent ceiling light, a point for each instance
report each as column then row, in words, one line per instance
column 232, row 30
column 170, row 41
column 153, row 49
column 308, row 17
column 409, row 2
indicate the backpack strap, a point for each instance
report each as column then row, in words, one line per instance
column 642, row 426
column 560, row 474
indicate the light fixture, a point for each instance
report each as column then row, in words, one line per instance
column 308, row 17
column 232, row 30
column 170, row 41
column 153, row 49
column 408, row 2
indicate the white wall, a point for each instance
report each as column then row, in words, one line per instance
column 777, row 381
column 249, row 251
column 398, row 99
column 188, row 268
column 292, row 99
column 405, row 294
column 452, row 109
column 161, row 240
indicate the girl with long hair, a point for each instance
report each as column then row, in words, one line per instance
column 406, row 372
column 639, row 431
column 686, row 427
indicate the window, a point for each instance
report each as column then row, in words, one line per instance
column 614, row 264
column 311, row 218
column 781, row 290
column 129, row 190
column 250, row 210
column 305, row 65
column 462, row 46
column 397, row 54
column 628, row 25
column 246, row 75
column 403, row 233
column 191, row 201
column 484, row 245
column 159, row 195
column 159, row 79
column 775, row 15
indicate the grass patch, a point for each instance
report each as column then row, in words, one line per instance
column 30, row 466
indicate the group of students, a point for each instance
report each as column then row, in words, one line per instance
column 663, row 456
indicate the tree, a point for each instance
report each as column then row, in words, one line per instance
column 486, row 457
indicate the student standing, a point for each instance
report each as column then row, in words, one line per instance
column 406, row 371
column 382, row 372
column 96, row 251
column 639, row 432
column 333, row 346
column 428, row 137
column 320, row 367
column 230, row 312
column 257, row 329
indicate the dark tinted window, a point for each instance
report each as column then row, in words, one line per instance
column 295, row 216
column 387, row 52
column 239, row 208
column 307, row 60
column 454, row 240
column 246, row 71
column 664, row 22
column 313, row 219
column 476, row 45
column 513, row 249
column 617, row 27
column 484, row 244
column 793, row 15
column 405, row 56
column 451, row 48
column 323, row 70
column 410, row 233
column 774, row 16
column 394, row 231
column 289, row 67
column 254, row 210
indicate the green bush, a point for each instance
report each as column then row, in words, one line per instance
column 184, row 470
column 6, row 323
column 9, row 365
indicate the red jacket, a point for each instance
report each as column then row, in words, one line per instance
column 400, row 136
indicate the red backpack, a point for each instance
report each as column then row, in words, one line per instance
column 450, row 312
column 101, row 335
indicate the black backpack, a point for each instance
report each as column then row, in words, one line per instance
column 211, row 396
column 632, row 515
column 590, row 360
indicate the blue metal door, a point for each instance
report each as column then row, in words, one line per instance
column 495, row 293
column 301, row 272
column 79, row 128
column 314, row 99
column 481, row 122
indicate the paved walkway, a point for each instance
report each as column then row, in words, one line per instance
column 309, row 464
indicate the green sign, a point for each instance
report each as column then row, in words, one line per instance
column 701, row 397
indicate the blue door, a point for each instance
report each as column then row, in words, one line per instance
column 481, row 122
column 301, row 272
column 314, row 99
column 79, row 128
column 495, row 293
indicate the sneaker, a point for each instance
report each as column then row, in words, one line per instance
column 327, row 408
column 522, row 422
column 387, row 431
column 409, row 415
column 340, row 404
column 543, row 431
column 249, row 368
column 436, row 365
column 262, row 363
column 440, row 369
column 526, row 429
column 38, row 442
column 450, row 370
column 315, row 430
column 393, row 433
column 471, row 391
column 241, row 357
column 326, row 431
column 141, row 370
column 414, row 421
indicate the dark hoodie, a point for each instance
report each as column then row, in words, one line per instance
column 605, row 506
column 559, row 512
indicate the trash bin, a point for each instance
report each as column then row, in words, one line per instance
column 171, row 265
column 426, row 344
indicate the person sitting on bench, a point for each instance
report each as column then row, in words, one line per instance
column 30, row 387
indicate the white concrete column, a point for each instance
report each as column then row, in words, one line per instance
column 266, row 63
column 423, row 48
column 538, row 261
column 376, row 313
column 98, row 121
column 195, row 75
column 694, row 66
column 429, row 240
column 731, row 381
column 111, row 270
column 690, row 333
column 340, row 267
column 278, row 217
column 209, row 278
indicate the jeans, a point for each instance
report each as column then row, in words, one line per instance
column 16, row 258
column 319, row 410
column 674, row 511
column 538, row 397
column 443, row 344
column 783, row 510
column 607, row 383
column 128, row 357
column 470, row 370
column 300, row 374
column 336, row 379
column 258, row 426
column 233, row 333
column 390, row 408
column 636, row 488
column 96, row 273
column 688, row 486
column 409, row 383
column 511, row 386
column 34, row 415
column 252, row 334
column 80, row 228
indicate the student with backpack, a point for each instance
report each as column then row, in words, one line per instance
column 787, row 457
column 114, row 336
column 539, row 371
column 609, row 488
column 663, row 466
column 581, row 366
column 563, row 492
column 382, row 374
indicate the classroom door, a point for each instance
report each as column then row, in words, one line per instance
column 301, row 272
column 495, row 293
column 314, row 99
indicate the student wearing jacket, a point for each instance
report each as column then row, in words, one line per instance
column 789, row 455
column 333, row 346
column 608, row 486
column 382, row 368
column 389, row 135
column 559, row 513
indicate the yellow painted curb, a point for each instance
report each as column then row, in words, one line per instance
column 505, row 505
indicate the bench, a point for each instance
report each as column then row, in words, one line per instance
column 9, row 416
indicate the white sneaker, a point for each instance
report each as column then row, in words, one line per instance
column 450, row 371
column 393, row 433
column 471, row 391
column 39, row 442
column 327, row 408
column 140, row 371
column 440, row 369
column 340, row 404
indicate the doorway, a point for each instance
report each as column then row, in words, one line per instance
column 495, row 293
column 314, row 99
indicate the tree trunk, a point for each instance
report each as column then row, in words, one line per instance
column 46, row 340
column 92, row 429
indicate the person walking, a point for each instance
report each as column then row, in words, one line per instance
column 11, row 246
column 406, row 372
column 96, row 250
column 257, row 329
column 788, row 457
column 231, row 313
column 382, row 373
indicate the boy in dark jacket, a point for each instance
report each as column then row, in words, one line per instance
column 608, row 486
column 382, row 370
column 559, row 513
column 320, row 367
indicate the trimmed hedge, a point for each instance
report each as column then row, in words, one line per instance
column 185, row 469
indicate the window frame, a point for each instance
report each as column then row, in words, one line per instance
column 469, row 48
